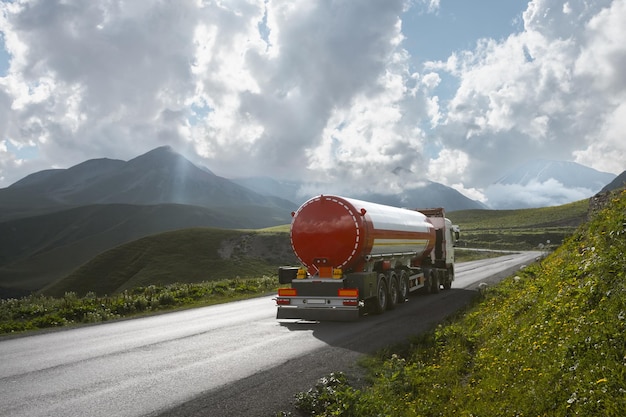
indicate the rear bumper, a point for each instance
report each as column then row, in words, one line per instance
column 322, row 314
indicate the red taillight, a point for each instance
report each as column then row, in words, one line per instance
column 352, row 302
column 287, row 292
column 283, row 301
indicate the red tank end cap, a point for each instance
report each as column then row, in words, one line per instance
column 329, row 229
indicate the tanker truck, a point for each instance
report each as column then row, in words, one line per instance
column 359, row 257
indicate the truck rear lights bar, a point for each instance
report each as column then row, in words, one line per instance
column 352, row 293
column 287, row 292
column 348, row 292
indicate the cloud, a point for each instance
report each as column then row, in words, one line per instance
column 323, row 91
column 93, row 78
column 450, row 166
column 534, row 194
column 332, row 104
column 249, row 87
column 554, row 90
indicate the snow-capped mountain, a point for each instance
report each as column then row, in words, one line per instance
column 543, row 182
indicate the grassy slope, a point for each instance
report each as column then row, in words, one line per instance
column 184, row 256
column 523, row 229
column 567, row 214
column 547, row 342
column 39, row 250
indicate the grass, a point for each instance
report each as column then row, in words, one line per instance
column 571, row 214
column 40, row 311
column 467, row 255
column 181, row 256
column 546, row 342
column 39, row 250
column 524, row 229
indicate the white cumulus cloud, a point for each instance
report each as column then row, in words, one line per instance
column 320, row 91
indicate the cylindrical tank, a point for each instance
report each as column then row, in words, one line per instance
column 340, row 232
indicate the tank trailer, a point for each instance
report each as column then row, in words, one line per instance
column 359, row 256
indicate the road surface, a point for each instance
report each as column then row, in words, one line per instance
column 231, row 359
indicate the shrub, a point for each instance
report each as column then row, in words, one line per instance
column 37, row 311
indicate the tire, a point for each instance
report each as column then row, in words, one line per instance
column 393, row 291
column 428, row 286
column 380, row 301
column 447, row 280
column 434, row 288
column 403, row 287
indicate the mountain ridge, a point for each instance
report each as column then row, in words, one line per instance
column 544, row 182
column 570, row 174
column 160, row 176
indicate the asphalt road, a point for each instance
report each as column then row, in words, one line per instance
column 233, row 359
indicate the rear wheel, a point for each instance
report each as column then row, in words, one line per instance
column 380, row 302
column 449, row 278
column 393, row 291
column 434, row 289
column 403, row 287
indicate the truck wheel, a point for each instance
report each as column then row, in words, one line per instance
column 428, row 284
column 393, row 291
column 380, row 302
column 403, row 287
column 447, row 280
column 434, row 289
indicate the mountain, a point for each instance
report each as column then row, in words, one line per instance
column 542, row 183
column 289, row 190
column 432, row 194
column 618, row 183
column 160, row 176
column 53, row 221
column 569, row 174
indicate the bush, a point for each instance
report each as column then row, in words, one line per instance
column 37, row 311
column 332, row 396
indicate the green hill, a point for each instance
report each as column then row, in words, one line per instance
column 183, row 256
column 547, row 342
column 37, row 251
column 572, row 214
column 523, row 229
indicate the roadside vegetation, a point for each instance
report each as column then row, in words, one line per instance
column 548, row 341
column 523, row 229
column 40, row 311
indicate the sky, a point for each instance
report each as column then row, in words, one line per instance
column 375, row 96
